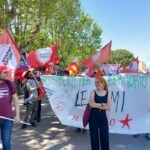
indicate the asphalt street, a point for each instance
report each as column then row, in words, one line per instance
column 51, row 135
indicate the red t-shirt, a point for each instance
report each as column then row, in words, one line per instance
column 6, row 99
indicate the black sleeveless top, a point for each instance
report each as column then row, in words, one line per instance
column 100, row 99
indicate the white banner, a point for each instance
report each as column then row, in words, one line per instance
column 130, row 113
column 9, row 53
column 8, row 58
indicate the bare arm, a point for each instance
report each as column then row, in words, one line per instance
column 92, row 101
column 107, row 106
column 17, row 108
column 102, row 106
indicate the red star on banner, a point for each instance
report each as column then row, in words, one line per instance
column 125, row 122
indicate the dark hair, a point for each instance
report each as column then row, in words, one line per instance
column 66, row 73
column 28, row 75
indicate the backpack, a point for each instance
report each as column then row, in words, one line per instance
column 41, row 91
column 8, row 82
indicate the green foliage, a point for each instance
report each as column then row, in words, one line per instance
column 40, row 23
column 121, row 57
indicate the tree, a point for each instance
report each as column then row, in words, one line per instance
column 121, row 56
column 39, row 23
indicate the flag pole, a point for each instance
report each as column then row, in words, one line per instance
column 2, row 117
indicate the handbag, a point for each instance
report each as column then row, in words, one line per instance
column 86, row 115
column 41, row 92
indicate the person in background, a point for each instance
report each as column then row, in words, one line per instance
column 25, row 90
column 8, row 94
column 100, row 101
column 65, row 73
column 31, row 101
column 38, row 114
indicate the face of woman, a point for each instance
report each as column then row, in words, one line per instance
column 98, row 84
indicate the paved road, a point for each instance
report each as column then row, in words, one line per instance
column 51, row 135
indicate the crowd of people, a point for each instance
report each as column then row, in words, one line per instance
column 8, row 94
column 100, row 102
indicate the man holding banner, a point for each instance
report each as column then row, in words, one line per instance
column 8, row 93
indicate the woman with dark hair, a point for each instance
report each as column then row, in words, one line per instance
column 100, row 101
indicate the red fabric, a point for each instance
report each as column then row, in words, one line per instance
column 88, row 62
column 41, row 91
column 34, row 59
column 104, row 53
column 132, row 66
column 4, row 68
column 86, row 115
column 55, row 59
column 6, row 38
column 49, row 68
column 73, row 68
column 126, row 70
column 99, row 72
column 11, row 61
column 90, row 71
column 99, row 56
column 6, row 99
column 19, row 74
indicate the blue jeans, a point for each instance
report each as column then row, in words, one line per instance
column 6, row 130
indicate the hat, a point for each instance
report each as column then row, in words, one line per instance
column 4, row 68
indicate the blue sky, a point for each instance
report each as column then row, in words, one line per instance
column 125, row 22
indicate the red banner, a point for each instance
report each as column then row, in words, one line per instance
column 42, row 56
column 98, row 57
column 9, row 53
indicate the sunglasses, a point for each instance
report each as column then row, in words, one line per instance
column 30, row 74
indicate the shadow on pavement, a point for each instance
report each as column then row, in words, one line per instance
column 51, row 135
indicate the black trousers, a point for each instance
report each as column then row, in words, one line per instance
column 99, row 132
column 38, row 114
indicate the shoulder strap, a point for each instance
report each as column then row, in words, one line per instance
column 94, row 92
column 9, row 85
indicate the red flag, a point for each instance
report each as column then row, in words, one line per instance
column 100, row 71
column 42, row 56
column 132, row 66
column 90, row 71
column 104, row 54
column 55, row 60
column 9, row 53
column 23, row 67
column 99, row 56
column 73, row 68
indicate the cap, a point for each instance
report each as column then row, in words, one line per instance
column 4, row 68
